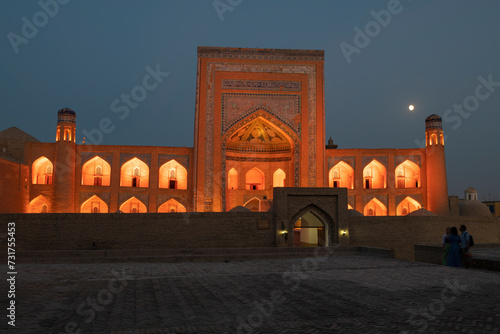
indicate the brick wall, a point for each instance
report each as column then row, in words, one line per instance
column 13, row 186
column 225, row 230
column 402, row 233
column 140, row 231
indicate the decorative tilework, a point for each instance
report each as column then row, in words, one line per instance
column 258, row 159
column 381, row 197
column 351, row 161
column 106, row 156
column 209, row 205
column 279, row 125
column 213, row 67
column 380, row 158
column 145, row 157
column 162, row 198
column 398, row 159
column 182, row 159
column 123, row 197
column 285, row 107
column 262, row 85
column 264, row 54
column 85, row 195
column 416, row 197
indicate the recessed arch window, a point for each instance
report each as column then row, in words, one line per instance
column 133, row 205
column 232, row 179
column 39, row 204
column 134, row 173
column 96, row 172
column 94, row 205
column 42, row 171
column 279, row 178
column 255, row 179
column 407, row 175
column 173, row 175
column 375, row 208
column 341, row 176
column 407, row 206
column 171, row 206
column 374, row 176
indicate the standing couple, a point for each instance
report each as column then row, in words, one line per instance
column 456, row 247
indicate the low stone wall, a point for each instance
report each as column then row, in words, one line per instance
column 75, row 231
column 402, row 233
column 434, row 254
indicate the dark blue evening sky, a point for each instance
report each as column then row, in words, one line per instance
column 430, row 54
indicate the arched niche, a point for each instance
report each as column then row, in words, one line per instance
column 134, row 173
column 96, row 172
column 173, row 176
column 94, row 205
column 133, row 205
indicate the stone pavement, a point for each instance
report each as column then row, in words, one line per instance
column 346, row 294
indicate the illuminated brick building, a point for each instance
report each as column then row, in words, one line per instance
column 260, row 124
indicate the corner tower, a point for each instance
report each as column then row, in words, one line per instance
column 437, row 186
column 64, row 167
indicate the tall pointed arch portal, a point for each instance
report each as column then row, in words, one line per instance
column 309, row 231
column 257, row 147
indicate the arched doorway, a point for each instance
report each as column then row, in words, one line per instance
column 309, row 231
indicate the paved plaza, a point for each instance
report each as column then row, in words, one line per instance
column 344, row 294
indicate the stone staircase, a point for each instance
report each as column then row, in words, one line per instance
column 190, row 255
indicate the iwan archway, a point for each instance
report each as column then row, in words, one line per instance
column 254, row 149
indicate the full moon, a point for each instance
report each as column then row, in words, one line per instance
column 411, row 107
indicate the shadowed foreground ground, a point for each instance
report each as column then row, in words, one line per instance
column 347, row 294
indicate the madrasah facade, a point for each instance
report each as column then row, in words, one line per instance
column 259, row 124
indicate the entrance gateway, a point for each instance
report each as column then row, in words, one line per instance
column 309, row 231
column 310, row 217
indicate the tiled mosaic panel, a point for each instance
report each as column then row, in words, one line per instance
column 235, row 107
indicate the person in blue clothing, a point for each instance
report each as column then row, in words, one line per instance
column 455, row 252
column 465, row 244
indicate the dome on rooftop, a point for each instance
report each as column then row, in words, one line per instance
column 422, row 212
column 66, row 111
column 471, row 190
column 473, row 208
column 433, row 117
